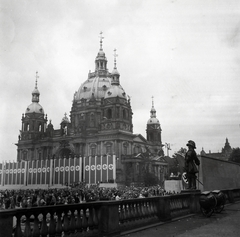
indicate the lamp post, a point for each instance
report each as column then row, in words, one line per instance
column 167, row 145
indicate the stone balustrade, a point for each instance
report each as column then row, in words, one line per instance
column 101, row 218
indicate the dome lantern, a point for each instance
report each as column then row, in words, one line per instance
column 35, row 93
column 153, row 118
column 115, row 73
column 101, row 60
column 35, row 107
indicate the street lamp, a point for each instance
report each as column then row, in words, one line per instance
column 167, row 145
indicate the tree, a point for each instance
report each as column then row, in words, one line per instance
column 150, row 179
column 235, row 155
column 181, row 152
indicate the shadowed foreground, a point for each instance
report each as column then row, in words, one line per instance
column 221, row 224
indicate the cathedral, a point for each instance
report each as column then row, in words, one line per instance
column 99, row 123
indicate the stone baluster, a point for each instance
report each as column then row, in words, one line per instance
column 52, row 226
column 44, row 228
column 66, row 226
column 84, row 220
column 138, row 211
column 36, row 231
column 72, row 223
column 121, row 214
column 155, row 208
column 134, row 214
column 90, row 221
column 128, row 212
column 27, row 231
column 59, row 228
column 18, row 231
column 79, row 221
column 146, row 206
column 151, row 208
column 95, row 219
column 142, row 209
column 133, row 210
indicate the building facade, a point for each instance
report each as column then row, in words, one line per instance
column 100, row 123
column 223, row 155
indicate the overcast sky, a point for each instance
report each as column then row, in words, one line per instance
column 184, row 53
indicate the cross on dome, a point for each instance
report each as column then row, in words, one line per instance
column 115, row 61
column 101, row 38
column 36, row 79
column 153, row 111
column 152, row 101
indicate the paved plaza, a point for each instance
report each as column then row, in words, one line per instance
column 221, row 224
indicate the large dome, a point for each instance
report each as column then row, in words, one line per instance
column 96, row 86
column 34, row 108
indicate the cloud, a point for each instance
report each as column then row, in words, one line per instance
column 184, row 53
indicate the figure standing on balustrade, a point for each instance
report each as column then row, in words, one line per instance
column 191, row 163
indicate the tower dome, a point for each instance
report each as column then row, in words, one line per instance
column 65, row 119
column 35, row 107
column 115, row 91
column 154, row 129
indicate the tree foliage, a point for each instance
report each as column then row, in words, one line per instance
column 150, row 179
column 235, row 155
column 181, row 152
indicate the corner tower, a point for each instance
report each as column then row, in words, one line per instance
column 34, row 124
column 153, row 128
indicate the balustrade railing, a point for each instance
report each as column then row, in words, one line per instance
column 180, row 205
column 100, row 218
column 138, row 212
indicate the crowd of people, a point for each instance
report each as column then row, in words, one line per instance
column 10, row 199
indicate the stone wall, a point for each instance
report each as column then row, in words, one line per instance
column 218, row 174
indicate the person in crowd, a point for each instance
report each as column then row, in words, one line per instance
column 29, row 198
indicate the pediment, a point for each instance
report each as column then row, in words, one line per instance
column 139, row 138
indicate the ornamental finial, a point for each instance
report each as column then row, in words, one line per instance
column 36, row 80
column 115, row 61
column 101, row 38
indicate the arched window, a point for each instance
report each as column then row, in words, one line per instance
column 125, row 148
column 39, row 127
column 117, row 112
column 124, row 114
column 93, row 149
column 135, row 149
column 109, row 113
column 109, row 147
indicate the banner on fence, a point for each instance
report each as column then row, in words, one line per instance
column 100, row 169
column 66, row 171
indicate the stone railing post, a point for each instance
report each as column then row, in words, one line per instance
column 6, row 223
column 194, row 202
column 109, row 218
column 164, row 212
